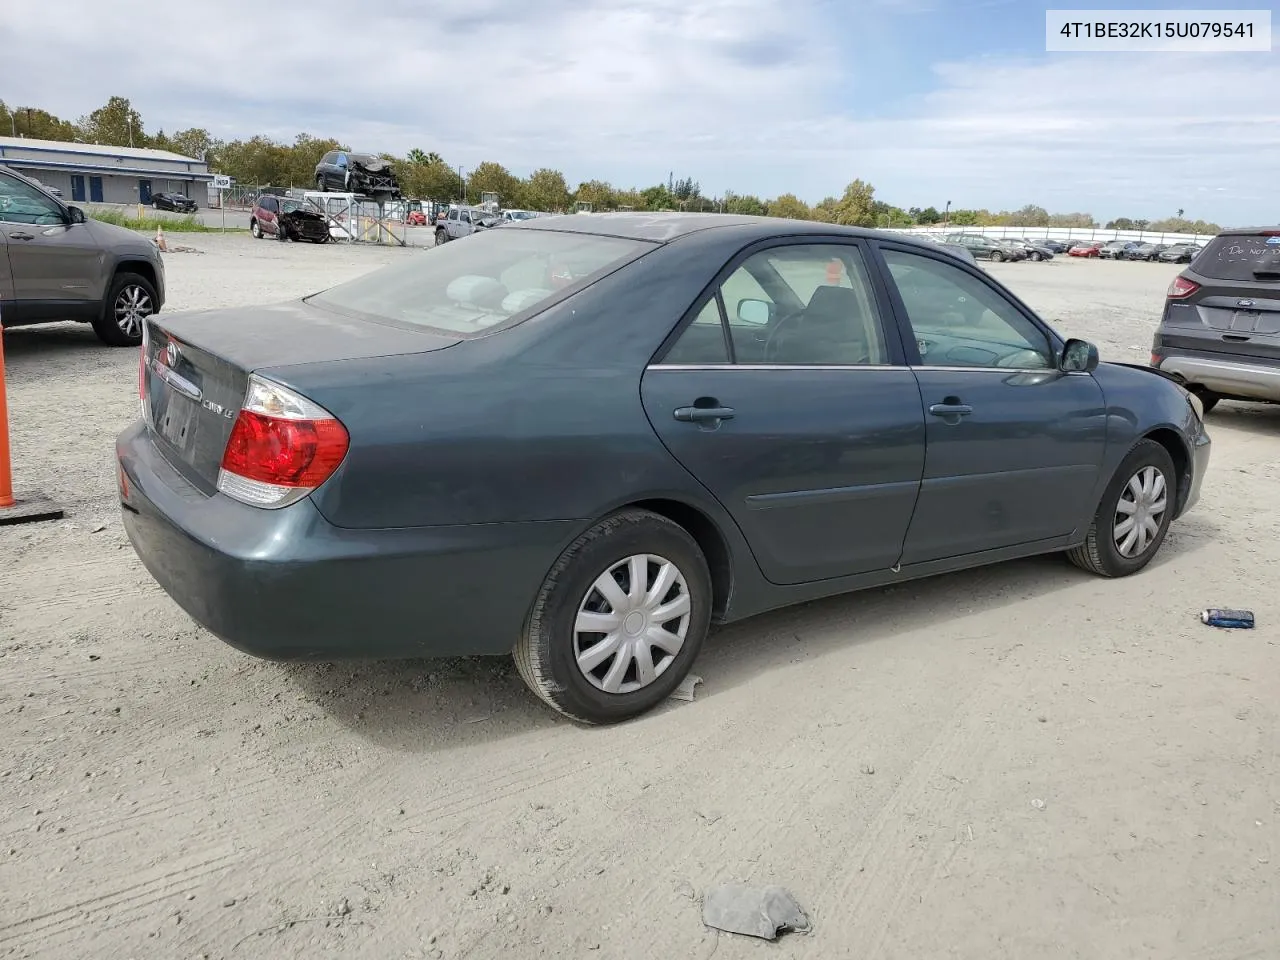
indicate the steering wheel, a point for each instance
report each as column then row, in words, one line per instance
column 770, row 346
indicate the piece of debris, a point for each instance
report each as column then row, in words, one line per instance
column 1228, row 619
column 344, row 908
column 761, row 912
column 685, row 889
column 710, row 816
column 98, row 528
column 1038, row 804
column 182, row 249
column 868, row 769
column 685, row 690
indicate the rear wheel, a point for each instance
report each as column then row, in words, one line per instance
column 619, row 619
column 1134, row 515
column 255, row 230
column 322, row 185
column 130, row 301
column 997, row 256
column 1035, row 256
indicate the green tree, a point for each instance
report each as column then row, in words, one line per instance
column 116, row 124
column 790, row 207
column 657, row 198
column 598, row 193
column 35, row 123
column 1120, row 223
column 745, row 205
column 967, row 218
column 926, row 216
column 826, row 210
column 1072, row 220
column 854, row 209
column 490, row 177
column 546, row 190
column 1030, row 216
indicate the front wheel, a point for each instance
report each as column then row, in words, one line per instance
column 441, row 236
column 1134, row 515
column 1035, row 256
column 131, row 299
column 997, row 256
column 255, row 230
column 619, row 620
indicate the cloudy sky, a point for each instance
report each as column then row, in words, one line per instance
column 929, row 100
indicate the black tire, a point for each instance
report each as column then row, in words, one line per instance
column 545, row 653
column 1208, row 399
column 125, row 329
column 1035, row 256
column 1099, row 553
column 442, row 236
column 322, row 184
column 282, row 232
column 997, row 256
column 255, row 229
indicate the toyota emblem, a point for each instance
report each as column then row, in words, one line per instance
column 172, row 353
column 1244, row 303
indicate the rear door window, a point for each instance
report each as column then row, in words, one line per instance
column 1242, row 258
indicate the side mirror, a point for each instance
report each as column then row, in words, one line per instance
column 77, row 215
column 755, row 312
column 1079, row 356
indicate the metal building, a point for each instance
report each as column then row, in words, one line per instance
column 94, row 173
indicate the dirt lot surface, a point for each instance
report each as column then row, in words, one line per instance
column 1022, row 761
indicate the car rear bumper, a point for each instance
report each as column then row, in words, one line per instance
column 1233, row 377
column 288, row 585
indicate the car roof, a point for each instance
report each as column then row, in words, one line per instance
column 665, row 227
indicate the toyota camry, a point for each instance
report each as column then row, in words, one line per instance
column 585, row 440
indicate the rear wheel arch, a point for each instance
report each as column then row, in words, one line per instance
column 711, row 541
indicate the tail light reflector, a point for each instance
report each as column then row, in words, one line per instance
column 1155, row 359
column 281, row 448
column 1182, row 287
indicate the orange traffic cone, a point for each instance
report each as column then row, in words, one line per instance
column 160, row 238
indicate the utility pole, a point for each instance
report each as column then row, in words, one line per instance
column 462, row 186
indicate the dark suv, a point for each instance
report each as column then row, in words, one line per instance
column 56, row 264
column 1220, row 333
column 361, row 173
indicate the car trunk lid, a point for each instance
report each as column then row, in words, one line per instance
column 195, row 369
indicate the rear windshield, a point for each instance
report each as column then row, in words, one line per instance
column 1239, row 257
column 481, row 282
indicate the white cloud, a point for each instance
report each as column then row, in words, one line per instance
column 739, row 94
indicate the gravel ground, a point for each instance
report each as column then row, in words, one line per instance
column 1022, row 761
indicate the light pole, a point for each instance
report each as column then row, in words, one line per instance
column 946, row 215
column 462, row 187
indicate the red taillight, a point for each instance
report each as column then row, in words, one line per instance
column 1182, row 287
column 281, row 448
column 1155, row 359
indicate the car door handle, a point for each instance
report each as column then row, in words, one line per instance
column 951, row 409
column 22, row 236
column 702, row 414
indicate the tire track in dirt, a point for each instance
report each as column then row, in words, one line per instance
column 42, row 931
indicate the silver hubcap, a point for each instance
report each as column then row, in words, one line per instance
column 632, row 623
column 132, row 307
column 1142, row 506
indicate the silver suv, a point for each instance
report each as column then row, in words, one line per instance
column 56, row 265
